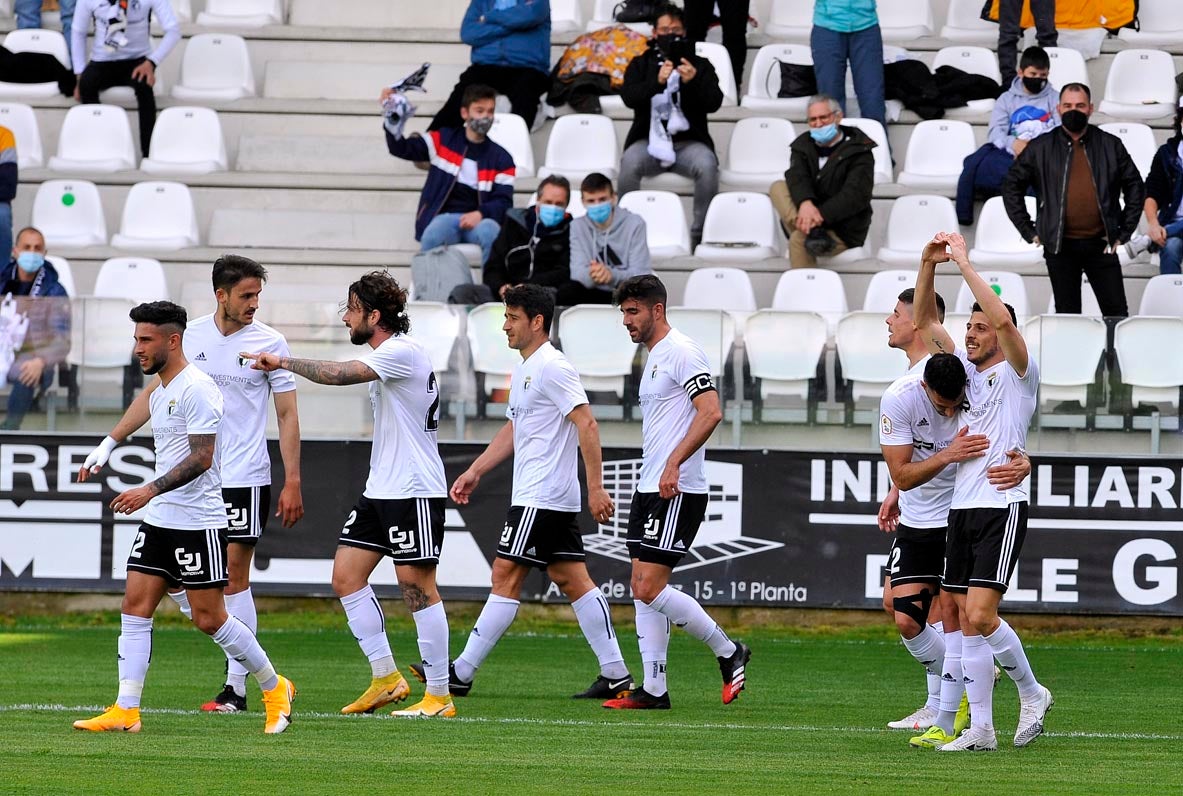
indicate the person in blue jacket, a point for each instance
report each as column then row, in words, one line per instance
column 1164, row 204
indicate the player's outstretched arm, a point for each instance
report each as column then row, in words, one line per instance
column 707, row 415
column 134, row 418
column 1014, row 347
column 498, row 450
column 200, row 459
column 321, row 371
column 291, row 500
column 907, row 474
column 598, row 502
column 926, row 316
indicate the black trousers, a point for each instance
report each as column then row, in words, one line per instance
column 733, row 18
column 100, row 75
column 522, row 85
column 1009, row 12
column 1087, row 255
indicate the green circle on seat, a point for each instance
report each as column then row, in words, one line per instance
column 997, row 289
column 67, row 199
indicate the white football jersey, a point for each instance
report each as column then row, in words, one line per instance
column 190, row 404
column 907, row 417
column 545, row 389
column 1000, row 406
column 242, row 440
column 405, row 459
column 918, row 368
column 677, row 372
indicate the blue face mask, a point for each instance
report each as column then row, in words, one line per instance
column 600, row 213
column 550, row 215
column 824, row 134
column 30, row 262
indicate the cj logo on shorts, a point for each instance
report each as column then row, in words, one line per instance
column 190, row 562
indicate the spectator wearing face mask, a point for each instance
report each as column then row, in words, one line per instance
column 608, row 246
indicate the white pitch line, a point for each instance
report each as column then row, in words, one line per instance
column 83, row 709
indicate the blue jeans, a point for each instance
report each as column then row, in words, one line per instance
column 1170, row 256
column 28, row 15
column 444, row 230
column 21, row 397
column 5, row 231
column 864, row 50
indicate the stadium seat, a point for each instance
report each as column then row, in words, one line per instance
column 1089, row 306
column 935, row 153
column 566, row 16
column 712, row 329
column 579, row 144
column 437, row 327
column 740, row 226
column 779, row 369
column 721, row 288
column 790, row 19
column 883, row 169
column 717, row 55
column 69, row 213
column 964, row 24
column 955, row 323
column 975, row 61
column 1141, row 85
column 37, row 41
column 812, row 290
column 914, row 219
column 1140, row 343
column 1139, row 142
column 868, row 365
column 1009, row 287
column 510, row 131
column 905, row 20
column 100, row 335
column 1163, row 295
column 241, row 13
column 764, row 80
column 997, row 243
column 884, row 290
column 1159, row 24
column 65, row 273
column 492, row 359
column 157, row 216
column 187, row 140
column 1067, row 66
column 22, row 121
column 137, row 278
column 666, row 229
column 216, row 68
column 1069, row 350
column 758, row 153
column 182, row 9
column 599, row 348
column 95, row 139
column 603, row 15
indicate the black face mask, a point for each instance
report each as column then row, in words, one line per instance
column 1034, row 85
column 1075, row 121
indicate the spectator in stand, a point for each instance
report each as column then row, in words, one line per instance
column 671, row 90
column 849, row 30
column 1009, row 31
column 28, row 15
column 8, row 183
column 122, row 54
column 1163, row 206
column 42, row 299
column 733, row 19
column 1025, row 111
column 469, row 184
column 510, row 41
column 608, row 246
column 824, row 201
column 534, row 248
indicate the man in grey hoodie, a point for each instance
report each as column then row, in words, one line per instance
column 608, row 246
column 1025, row 110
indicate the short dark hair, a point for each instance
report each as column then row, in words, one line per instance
column 1064, row 89
column 945, row 375
column 160, row 313
column 534, row 300
column 558, row 180
column 379, row 291
column 596, row 182
column 646, row 288
column 1013, row 318
column 475, row 93
column 668, row 10
column 1034, row 56
column 230, row 269
column 17, row 237
column 909, row 297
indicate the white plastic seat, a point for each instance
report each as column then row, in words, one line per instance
column 1140, row 343
column 905, row 20
column 1068, row 349
column 721, row 288
column 1163, row 295
column 964, row 24
column 883, row 169
column 37, row 41
column 22, row 121
column 666, row 230
column 883, row 291
column 566, row 16
column 1067, row 66
column 997, row 243
column 510, row 131
column 764, row 80
column 717, row 55
column 1089, row 306
column 785, row 369
column 95, row 139
column 69, row 213
column 914, row 219
column 1009, row 287
column 812, row 290
column 758, row 153
column 437, row 327
column 975, row 61
column 740, row 226
column 602, row 17
column 137, row 278
column 492, row 359
column 868, row 365
column 157, row 216
column 1141, row 85
column 101, row 332
column 1159, row 24
column 241, row 13
column 598, row 346
column 712, row 329
column 955, row 323
column 1139, row 141
column 186, row 140
column 579, row 144
column 935, row 153
column 790, row 19
column 65, row 273
column 216, row 68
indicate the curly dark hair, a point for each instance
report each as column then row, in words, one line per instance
column 646, row 288
column 160, row 313
column 379, row 291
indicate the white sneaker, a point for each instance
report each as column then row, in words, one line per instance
column 1031, row 717
column 974, row 739
column 920, row 720
column 1136, row 245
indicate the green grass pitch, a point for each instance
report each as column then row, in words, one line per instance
column 811, row 720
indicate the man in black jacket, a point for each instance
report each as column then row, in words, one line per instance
column 824, row 201
column 678, row 94
column 1079, row 172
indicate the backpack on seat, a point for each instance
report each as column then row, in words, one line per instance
column 434, row 273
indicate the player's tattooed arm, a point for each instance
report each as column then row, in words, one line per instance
column 323, row 371
column 200, row 459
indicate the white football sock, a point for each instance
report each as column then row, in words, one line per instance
column 685, row 612
column 368, row 625
column 431, row 625
column 181, row 598
column 496, row 617
column 135, row 653
column 977, row 666
column 596, row 623
column 239, row 643
column 241, row 606
column 653, row 637
column 952, row 686
column 929, row 649
column 1007, row 648
column 933, row 678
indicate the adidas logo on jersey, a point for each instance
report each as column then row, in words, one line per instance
column 200, row 357
column 530, row 552
column 679, row 546
column 923, row 422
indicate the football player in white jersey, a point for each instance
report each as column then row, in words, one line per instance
column 182, row 540
column 548, row 417
column 401, row 512
column 986, row 525
column 680, row 410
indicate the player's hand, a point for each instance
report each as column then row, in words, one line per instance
column 96, row 459
column 958, row 249
column 889, row 511
column 663, row 74
column 935, row 251
column 145, row 72
column 470, row 219
column 463, row 486
column 667, row 485
column 262, row 361
column 291, row 504
column 687, row 71
column 1010, row 475
column 966, row 446
column 133, row 499
column 601, row 506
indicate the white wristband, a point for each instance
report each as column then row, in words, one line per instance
column 98, row 457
